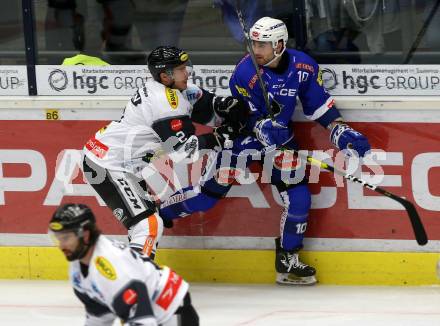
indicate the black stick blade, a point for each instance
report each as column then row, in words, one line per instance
column 417, row 225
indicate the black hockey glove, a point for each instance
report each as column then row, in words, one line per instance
column 231, row 109
column 225, row 134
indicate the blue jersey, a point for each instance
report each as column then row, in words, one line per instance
column 302, row 79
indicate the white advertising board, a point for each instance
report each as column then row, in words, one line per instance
column 13, row 80
column 361, row 80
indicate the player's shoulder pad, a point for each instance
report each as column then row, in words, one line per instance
column 141, row 96
column 167, row 102
column 302, row 61
column 244, row 70
column 109, row 260
column 192, row 93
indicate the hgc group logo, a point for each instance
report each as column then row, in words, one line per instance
column 329, row 79
column 58, row 80
column 90, row 81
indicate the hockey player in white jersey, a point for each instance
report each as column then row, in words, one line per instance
column 114, row 281
column 159, row 118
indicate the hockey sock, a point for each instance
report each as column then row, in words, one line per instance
column 297, row 201
column 185, row 202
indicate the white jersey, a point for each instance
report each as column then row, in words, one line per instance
column 123, row 144
column 117, row 275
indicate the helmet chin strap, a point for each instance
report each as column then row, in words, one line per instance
column 276, row 56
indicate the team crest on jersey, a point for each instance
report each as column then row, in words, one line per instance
column 172, row 97
column 105, row 268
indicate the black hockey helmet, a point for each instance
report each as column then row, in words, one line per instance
column 164, row 59
column 72, row 217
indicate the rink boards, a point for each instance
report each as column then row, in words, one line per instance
column 354, row 236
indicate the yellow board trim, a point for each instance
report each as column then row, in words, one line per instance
column 245, row 266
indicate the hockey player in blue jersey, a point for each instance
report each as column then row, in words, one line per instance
column 288, row 74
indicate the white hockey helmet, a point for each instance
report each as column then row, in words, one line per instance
column 269, row 29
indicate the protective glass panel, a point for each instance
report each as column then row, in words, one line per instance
column 373, row 31
column 123, row 31
column 11, row 34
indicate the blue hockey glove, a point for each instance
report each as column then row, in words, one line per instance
column 270, row 132
column 346, row 138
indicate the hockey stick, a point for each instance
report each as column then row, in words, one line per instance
column 416, row 223
column 254, row 61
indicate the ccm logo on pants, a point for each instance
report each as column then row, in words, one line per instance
column 131, row 197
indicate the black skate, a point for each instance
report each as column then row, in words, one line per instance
column 290, row 270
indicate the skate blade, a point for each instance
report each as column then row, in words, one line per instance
column 290, row 279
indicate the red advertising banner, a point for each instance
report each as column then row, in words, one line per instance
column 30, row 189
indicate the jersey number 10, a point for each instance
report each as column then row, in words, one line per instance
column 302, row 76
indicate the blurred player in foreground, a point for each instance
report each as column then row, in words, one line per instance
column 114, row 281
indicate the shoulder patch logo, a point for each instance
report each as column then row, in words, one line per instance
column 103, row 129
column 253, row 80
column 319, row 79
column 172, row 97
column 176, row 125
column 130, row 297
column 105, row 268
column 305, row 66
column 242, row 91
